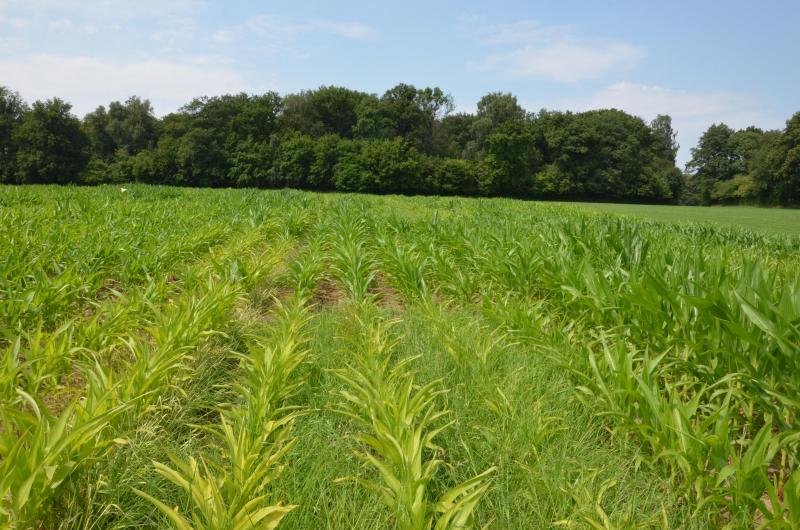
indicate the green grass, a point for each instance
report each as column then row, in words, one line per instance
column 284, row 350
column 770, row 220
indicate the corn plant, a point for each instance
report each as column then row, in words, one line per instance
column 590, row 512
column 307, row 270
column 177, row 329
column 781, row 508
column 41, row 453
column 408, row 270
column 230, row 493
column 399, row 422
column 229, row 488
column 352, row 266
column 681, row 338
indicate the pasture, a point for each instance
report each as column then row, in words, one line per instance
column 768, row 220
column 230, row 359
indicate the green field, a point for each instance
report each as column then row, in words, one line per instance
column 771, row 220
column 230, row 359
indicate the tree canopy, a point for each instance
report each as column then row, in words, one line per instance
column 748, row 165
column 407, row 140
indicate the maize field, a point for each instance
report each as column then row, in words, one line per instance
column 245, row 359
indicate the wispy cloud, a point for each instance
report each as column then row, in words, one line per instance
column 88, row 81
column 170, row 23
column 104, row 9
column 692, row 111
column 526, row 49
column 649, row 100
column 351, row 30
column 278, row 29
column 62, row 25
column 19, row 23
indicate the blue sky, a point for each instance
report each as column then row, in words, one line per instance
column 701, row 62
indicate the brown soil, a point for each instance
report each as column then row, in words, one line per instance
column 70, row 386
column 388, row 296
column 327, row 293
column 108, row 290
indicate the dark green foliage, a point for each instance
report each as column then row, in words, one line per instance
column 454, row 136
column 606, row 154
column 50, row 145
column 512, row 159
column 782, row 161
column 451, row 176
column 293, row 160
column 328, row 150
column 406, row 112
column 12, row 109
column 234, row 118
column 250, row 163
column 749, row 165
column 326, row 110
column 404, row 141
column 126, row 128
column 380, row 166
column 495, row 110
column 713, row 159
column 665, row 175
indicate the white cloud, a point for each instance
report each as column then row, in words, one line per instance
column 176, row 33
column 224, row 36
column 61, row 25
column 553, row 52
column 172, row 19
column 521, row 31
column 11, row 45
column 692, row 111
column 19, row 23
column 350, row 30
column 87, row 81
column 565, row 62
column 649, row 100
column 278, row 29
column 169, row 22
column 105, row 9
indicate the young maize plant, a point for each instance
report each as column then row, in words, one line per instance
column 682, row 337
column 399, row 422
column 587, row 498
column 161, row 358
column 352, row 261
column 353, row 268
column 781, row 508
column 41, row 453
column 246, row 260
column 37, row 361
column 306, row 271
column 407, row 269
column 726, row 325
column 688, row 425
column 230, row 492
column 229, row 489
column 70, row 247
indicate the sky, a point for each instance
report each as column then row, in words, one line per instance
column 701, row 62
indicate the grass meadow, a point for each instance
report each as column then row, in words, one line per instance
column 231, row 359
column 768, row 220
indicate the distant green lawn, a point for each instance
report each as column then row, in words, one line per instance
column 774, row 220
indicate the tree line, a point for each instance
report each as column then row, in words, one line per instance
column 407, row 140
column 749, row 165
